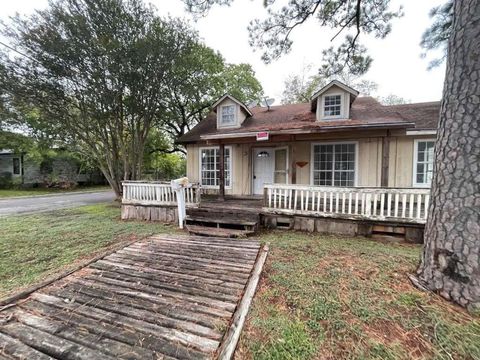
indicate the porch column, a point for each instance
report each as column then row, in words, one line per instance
column 385, row 159
column 221, row 167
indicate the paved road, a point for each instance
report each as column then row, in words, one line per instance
column 52, row 202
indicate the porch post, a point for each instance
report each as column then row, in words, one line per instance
column 221, row 167
column 385, row 159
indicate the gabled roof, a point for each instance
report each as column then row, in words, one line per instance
column 242, row 105
column 365, row 113
column 335, row 83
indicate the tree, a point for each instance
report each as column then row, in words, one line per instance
column 95, row 71
column 197, row 79
column 272, row 35
column 450, row 261
column 299, row 88
column 392, row 100
column 436, row 36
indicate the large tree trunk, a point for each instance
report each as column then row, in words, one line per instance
column 450, row 261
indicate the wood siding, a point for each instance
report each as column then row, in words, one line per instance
column 369, row 164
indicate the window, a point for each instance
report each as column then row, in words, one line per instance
column 334, row 164
column 423, row 164
column 209, row 167
column 228, row 115
column 16, row 166
column 332, row 105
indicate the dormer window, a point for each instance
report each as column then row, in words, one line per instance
column 332, row 106
column 228, row 115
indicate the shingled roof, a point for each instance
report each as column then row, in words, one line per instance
column 365, row 113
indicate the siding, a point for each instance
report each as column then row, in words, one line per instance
column 369, row 162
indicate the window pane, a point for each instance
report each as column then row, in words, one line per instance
column 424, row 162
column 334, row 165
column 210, row 174
column 332, row 105
column 228, row 114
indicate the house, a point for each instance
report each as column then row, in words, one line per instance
column 58, row 169
column 338, row 139
column 340, row 164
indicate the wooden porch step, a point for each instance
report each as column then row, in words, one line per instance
column 223, row 214
column 217, row 232
column 221, row 220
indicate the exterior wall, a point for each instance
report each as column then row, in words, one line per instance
column 6, row 165
column 345, row 103
column 240, row 115
column 369, row 161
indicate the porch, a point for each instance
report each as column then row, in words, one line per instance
column 393, row 213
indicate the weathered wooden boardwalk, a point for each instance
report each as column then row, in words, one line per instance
column 166, row 297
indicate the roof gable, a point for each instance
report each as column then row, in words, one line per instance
column 235, row 100
column 333, row 83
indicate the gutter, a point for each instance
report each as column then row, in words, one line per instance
column 309, row 131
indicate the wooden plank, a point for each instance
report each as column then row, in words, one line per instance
column 171, row 311
column 208, row 248
column 217, row 297
column 209, row 272
column 102, row 344
column 162, row 292
column 160, row 300
column 243, row 245
column 14, row 347
column 227, row 348
column 200, row 264
column 170, row 267
column 112, row 306
column 169, row 278
column 52, row 345
column 120, row 333
column 198, row 342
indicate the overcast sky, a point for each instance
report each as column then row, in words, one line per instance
column 397, row 68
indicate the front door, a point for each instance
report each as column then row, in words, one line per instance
column 263, row 168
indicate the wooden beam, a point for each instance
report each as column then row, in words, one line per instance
column 385, row 160
column 221, row 167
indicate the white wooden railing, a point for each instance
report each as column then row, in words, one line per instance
column 157, row 193
column 385, row 204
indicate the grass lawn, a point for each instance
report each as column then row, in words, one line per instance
column 7, row 193
column 34, row 246
column 335, row 298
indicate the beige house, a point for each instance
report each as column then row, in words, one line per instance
column 338, row 139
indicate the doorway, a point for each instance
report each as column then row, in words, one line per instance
column 269, row 166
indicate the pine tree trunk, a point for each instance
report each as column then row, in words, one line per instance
column 450, row 263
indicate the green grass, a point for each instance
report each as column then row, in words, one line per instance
column 326, row 297
column 34, row 246
column 8, row 193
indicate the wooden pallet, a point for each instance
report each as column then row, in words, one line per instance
column 164, row 297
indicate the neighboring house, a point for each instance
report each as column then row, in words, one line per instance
column 18, row 169
column 337, row 139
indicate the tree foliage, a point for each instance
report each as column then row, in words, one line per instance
column 99, row 75
column 273, row 34
column 299, row 88
column 436, row 36
column 197, row 79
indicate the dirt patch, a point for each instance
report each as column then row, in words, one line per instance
column 388, row 332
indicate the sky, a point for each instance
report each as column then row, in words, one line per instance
column 397, row 67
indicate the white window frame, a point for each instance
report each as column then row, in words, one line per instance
column 230, row 124
column 312, row 158
column 415, row 162
column 324, row 97
column 200, row 166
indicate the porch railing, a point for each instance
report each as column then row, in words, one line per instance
column 157, row 193
column 385, row 204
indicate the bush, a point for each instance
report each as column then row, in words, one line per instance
column 6, row 180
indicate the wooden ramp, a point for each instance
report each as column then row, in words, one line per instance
column 166, row 297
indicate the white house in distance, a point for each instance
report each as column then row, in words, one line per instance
column 338, row 139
